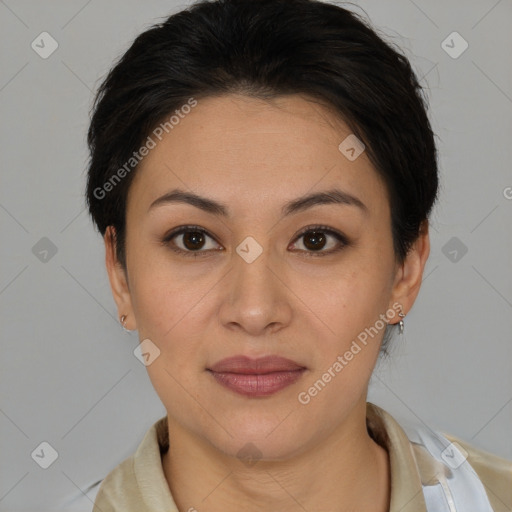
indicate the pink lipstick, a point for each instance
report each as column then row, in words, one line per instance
column 256, row 377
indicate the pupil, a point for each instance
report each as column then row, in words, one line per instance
column 316, row 237
column 195, row 236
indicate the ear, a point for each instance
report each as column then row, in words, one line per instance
column 410, row 274
column 118, row 279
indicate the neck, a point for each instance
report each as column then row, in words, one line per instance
column 347, row 471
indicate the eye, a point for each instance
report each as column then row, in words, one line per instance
column 315, row 239
column 194, row 238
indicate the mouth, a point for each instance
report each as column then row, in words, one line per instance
column 256, row 377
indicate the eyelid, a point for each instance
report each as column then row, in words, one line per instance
column 180, row 230
column 323, row 229
column 341, row 238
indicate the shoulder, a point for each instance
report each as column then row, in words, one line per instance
column 119, row 490
column 138, row 482
column 494, row 472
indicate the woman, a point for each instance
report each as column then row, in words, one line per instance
column 262, row 172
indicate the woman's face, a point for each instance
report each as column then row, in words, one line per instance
column 252, row 284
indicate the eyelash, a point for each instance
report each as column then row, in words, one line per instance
column 195, row 254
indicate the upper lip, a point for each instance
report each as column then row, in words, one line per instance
column 261, row 365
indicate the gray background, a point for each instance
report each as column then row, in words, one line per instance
column 68, row 374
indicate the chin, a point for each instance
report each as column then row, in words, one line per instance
column 262, row 436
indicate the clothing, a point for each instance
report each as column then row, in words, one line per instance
column 138, row 484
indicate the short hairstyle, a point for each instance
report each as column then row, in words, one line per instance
column 266, row 49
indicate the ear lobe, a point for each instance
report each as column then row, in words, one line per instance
column 409, row 277
column 116, row 275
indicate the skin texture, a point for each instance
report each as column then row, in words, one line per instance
column 254, row 156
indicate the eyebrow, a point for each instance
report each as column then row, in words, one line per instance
column 332, row 196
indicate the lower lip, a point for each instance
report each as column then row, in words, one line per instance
column 257, row 385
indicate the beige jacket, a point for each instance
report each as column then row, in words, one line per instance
column 138, row 484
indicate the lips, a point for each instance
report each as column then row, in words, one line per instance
column 248, row 366
column 256, row 377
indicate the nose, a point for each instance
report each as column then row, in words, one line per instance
column 256, row 298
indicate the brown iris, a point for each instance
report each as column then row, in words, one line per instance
column 195, row 238
column 316, row 237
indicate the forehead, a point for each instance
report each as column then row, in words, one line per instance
column 251, row 152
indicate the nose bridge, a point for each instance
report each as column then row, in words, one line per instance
column 253, row 262
column 254, row 299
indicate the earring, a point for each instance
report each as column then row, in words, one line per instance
column 401, row 323
column 123, row 323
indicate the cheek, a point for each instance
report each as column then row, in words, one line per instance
column 350, row 309
column 165, row 296
column 354, row 299
column 346, row 356
column 169, row 312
